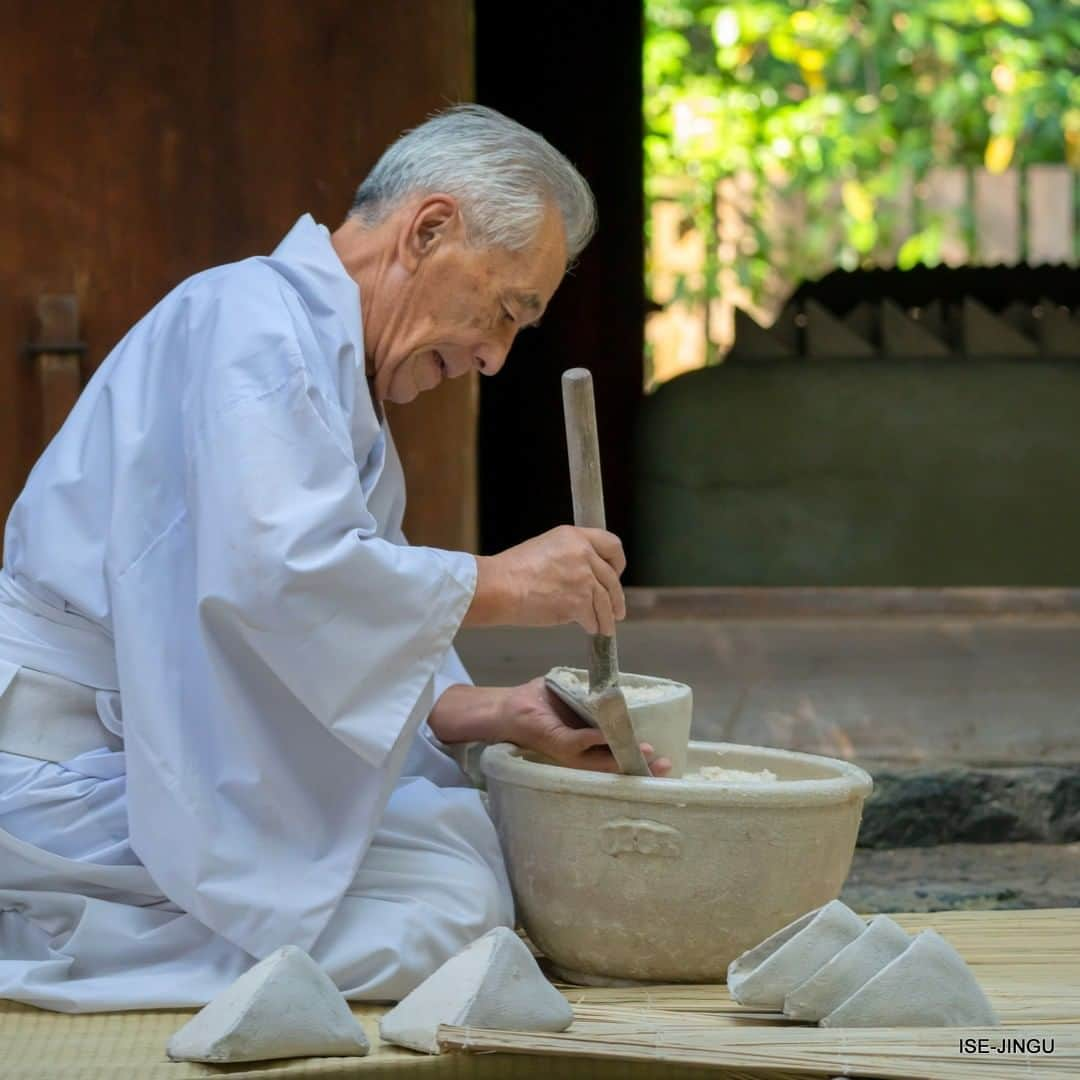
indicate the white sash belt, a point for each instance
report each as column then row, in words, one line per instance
column 49, row 718
column 45, row 637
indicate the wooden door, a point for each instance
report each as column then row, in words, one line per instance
column 142, row 142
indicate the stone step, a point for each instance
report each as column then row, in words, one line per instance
column 921, row 806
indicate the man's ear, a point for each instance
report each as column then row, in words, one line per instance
column 434, row 218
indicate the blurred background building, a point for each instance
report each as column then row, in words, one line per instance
column 738, row 151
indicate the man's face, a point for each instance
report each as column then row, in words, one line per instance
column 456, row 307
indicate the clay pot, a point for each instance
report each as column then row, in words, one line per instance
column 620, row 878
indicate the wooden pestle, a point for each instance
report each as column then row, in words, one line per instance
column 606, row 702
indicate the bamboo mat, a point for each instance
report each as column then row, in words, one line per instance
column 1028, row 962
column 879, row 1053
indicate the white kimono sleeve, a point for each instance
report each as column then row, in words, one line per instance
column 452, row 671
column 464, row 755
column 290, row 570
column 276, row 656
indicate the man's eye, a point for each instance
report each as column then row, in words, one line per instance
column 508, row 314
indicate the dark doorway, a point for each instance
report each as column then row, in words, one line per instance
column 574, row 74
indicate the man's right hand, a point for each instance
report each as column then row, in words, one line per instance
column 564, row 575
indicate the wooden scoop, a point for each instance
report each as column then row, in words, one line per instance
column 604, row 706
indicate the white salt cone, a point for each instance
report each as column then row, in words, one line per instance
column 285, row 1006
column 492, row 983
column 764, row 975
column 879, row 944
column 927, row 985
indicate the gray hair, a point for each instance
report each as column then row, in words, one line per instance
column 503, row 175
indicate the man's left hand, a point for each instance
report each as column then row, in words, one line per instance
column 532, row 717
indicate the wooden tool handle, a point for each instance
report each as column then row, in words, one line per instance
column 587, row 489
column 583, row 449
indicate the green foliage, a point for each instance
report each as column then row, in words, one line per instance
column 808, row 94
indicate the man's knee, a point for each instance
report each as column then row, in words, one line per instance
column 475, row 900
column 385, row 941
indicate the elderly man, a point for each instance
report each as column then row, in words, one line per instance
column 228, row 684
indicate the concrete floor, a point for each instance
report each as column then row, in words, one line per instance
column 931, row 690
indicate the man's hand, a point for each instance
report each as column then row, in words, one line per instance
column 531, row 717
column 564, row 575
column 534, row 719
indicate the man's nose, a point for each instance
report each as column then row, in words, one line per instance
column 490, row 357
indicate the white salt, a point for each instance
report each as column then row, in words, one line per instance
column 493, row 983
column 730, row 776
column 634, row 695
column 285, row 1006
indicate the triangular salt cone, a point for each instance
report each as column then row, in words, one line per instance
column 285, row 1006
column 764, row 975
column 492, row 983
column 879, row 944
column 928, row 985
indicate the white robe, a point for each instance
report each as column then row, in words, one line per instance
column 212, row 542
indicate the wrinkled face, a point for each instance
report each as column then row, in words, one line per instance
column 456, row 307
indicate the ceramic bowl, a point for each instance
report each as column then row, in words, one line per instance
column 645, row 879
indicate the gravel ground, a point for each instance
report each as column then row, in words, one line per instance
column 964, row 877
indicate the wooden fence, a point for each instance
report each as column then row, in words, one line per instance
column 984, row 219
